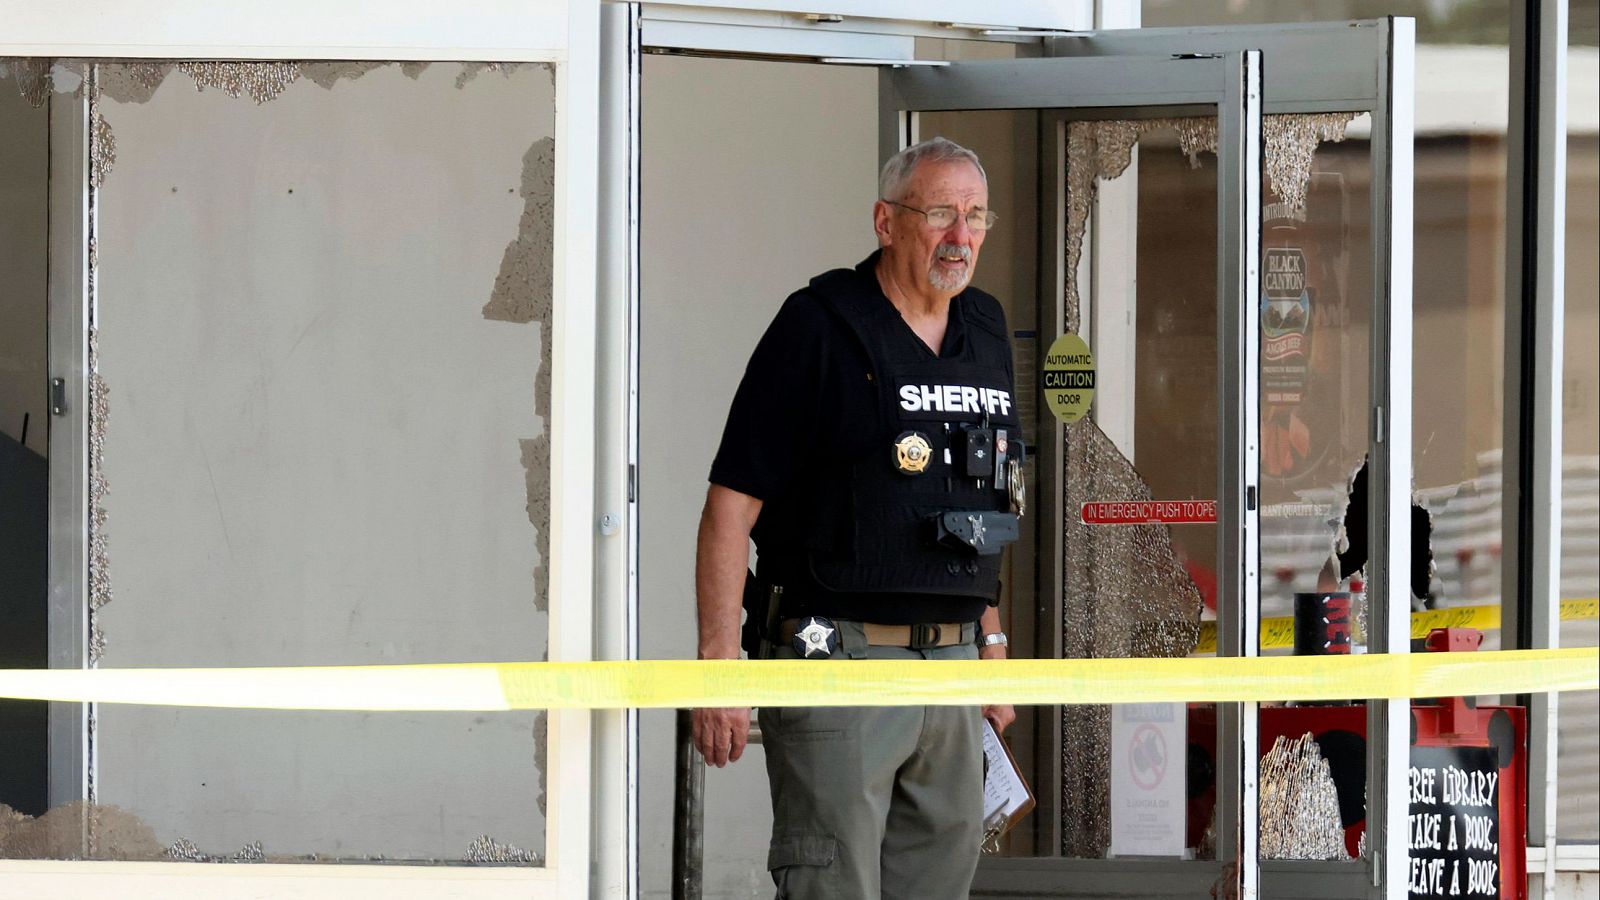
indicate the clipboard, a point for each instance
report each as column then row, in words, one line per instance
column 1006, row 796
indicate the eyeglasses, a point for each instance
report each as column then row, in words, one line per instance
column 942, row 217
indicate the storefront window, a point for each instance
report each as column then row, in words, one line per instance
column 24, row 429
column 1459, row 273
column 1462, row 111
column 1578, row 745
column 319, row 352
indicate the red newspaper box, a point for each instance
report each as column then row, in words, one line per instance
column 1466, row 785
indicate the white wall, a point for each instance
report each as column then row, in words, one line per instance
column 756, row 176
column 317, row 446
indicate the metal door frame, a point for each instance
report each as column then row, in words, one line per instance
column 1357, row 66
column 1143, row 82
column 1365, row 66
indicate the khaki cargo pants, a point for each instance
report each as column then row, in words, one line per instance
column 873, row 802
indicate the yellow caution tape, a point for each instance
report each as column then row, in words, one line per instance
column 1278, row 631
column 689, row 683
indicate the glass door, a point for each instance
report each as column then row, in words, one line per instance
column 1247, row 440
column 1118, row 542
column 1338, row 534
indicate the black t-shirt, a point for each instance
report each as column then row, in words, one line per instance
column 806, row 401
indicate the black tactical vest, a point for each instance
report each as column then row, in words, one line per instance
column 872, row 523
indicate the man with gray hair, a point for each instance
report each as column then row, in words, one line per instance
column 872, row 452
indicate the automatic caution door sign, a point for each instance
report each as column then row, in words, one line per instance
column 1067, row 378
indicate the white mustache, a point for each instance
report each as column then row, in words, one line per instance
column 960, row 250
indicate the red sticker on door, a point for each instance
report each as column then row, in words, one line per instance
column 1149, row 512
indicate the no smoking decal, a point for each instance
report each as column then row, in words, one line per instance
column 1147, row 753
column 1067, row 378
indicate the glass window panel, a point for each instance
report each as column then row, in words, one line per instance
column 1462, row 111
column 24, row 422
column 722, row 181
column 1140, row 590
column 1316, row 318
column 1459, row 269
column 1007, row 143
column 1316, row 321
column 1129, row 590
column 1174, row 383
column 321, row 363
column 1578, row 745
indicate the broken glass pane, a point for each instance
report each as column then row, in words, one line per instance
column 1134, row 590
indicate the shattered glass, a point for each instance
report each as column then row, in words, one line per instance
column 1299, row 803
column 1316, row 317
column 1315, row 320
column 1128, row 593
column 1138, row 590
column 260, row 81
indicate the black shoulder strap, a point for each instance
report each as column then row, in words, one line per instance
column 861, row 307
column 985, row 312
column 841, row 292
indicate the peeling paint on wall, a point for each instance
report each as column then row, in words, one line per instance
column 327, row 74
column 536, row 470
column 522, row 294
column 136, row 81
column 471, row 70
column 522, row 288
column 541, row 754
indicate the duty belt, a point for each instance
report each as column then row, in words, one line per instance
column 921, row 636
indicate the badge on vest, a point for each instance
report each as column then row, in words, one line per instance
column 912, row 453
column 815, row 637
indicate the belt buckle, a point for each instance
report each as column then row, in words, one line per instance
column 925, row 636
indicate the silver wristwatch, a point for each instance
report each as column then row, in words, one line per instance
column 993, row 638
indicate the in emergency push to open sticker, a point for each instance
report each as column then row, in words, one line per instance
column 1067, row 378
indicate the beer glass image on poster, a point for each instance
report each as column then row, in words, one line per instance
column 1303, row 323
column 1149, row 755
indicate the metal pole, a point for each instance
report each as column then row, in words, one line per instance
column 688, row 815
